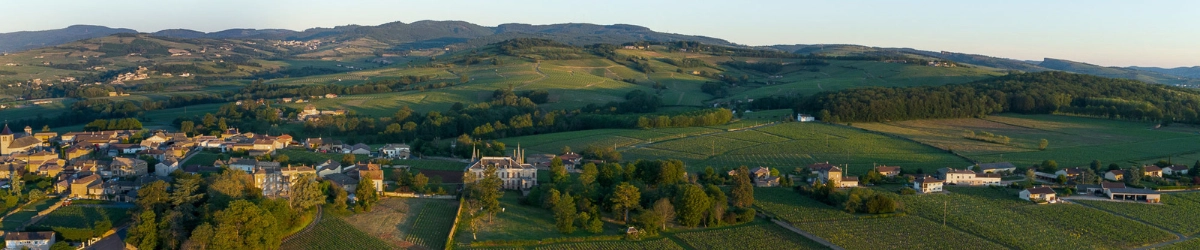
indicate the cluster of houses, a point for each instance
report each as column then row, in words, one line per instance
column 1147, row 171
column 760, row 176
column 102, row 165
column 310, row 113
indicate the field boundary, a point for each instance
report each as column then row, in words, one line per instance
column 454, row 227
column 812, row 237
column 952, row 152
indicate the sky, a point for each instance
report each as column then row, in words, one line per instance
column 1109, row 33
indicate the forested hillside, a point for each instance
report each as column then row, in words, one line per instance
column 1032, row 93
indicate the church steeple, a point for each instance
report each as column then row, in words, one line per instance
column 6, row 131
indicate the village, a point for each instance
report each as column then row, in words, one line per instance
column 113, row 165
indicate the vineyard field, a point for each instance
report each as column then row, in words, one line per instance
column 660, row 244
column 433, row 224
column 83, row 217
column 906, row 232
column 755, row 236
column 1186, row 245
column 1073, row 141
column 1009, row 222
column 332, row 233
column 1178, row 213
column 793, row 207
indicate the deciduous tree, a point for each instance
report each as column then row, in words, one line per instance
column 624, row 198
column 743, row 190
column 305, row 192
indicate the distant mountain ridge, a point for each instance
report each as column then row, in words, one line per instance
column 1176, row 76
column 436, row 34
column 25, row 40
column 1190, row 72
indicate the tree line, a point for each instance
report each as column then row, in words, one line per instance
column 1031, row 93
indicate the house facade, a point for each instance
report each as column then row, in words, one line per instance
column 889, row 171
column 28, row 240
column 1039, row 194
column 828, row 173
column 1115, row 175
column 1152, row 171
column 1175, row 170
column 122, row 166
column 926, row 185
column 397, row 151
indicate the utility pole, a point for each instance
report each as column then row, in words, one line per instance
column 945, row 210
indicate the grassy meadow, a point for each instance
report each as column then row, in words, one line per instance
column 783, row 145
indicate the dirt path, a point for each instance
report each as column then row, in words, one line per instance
column 1179, row 237
column 808, row 235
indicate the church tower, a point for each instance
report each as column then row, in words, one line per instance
column 6, row 138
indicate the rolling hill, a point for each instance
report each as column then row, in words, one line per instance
column 1178, row 76
column 23, row 40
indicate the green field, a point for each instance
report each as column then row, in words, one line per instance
column 517, row 222
column 432, row 164
column 785, row 146
column 203, row 158
column 83, row 217
column 27, row 212
column 1073, row 141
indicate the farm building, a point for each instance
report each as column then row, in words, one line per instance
column 805, row 118
column 996, row 167
column 1118, row 191
column 1040, row 194
column 968, row 177
column 888, row 171
column 1136, row 194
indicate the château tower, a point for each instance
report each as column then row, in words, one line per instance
column 6, row 138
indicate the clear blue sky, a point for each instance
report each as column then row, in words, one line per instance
column 1111, row 33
